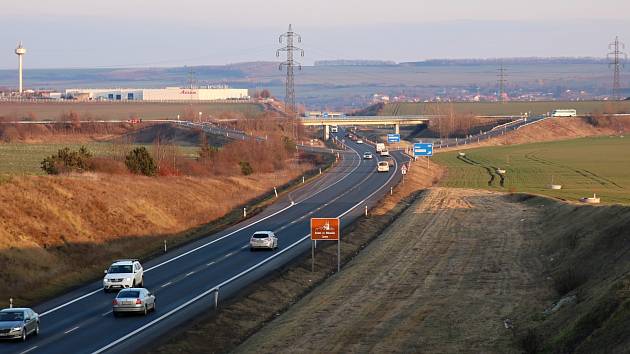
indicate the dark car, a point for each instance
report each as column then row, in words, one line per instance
column 18, row 323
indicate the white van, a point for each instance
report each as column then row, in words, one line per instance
column 383, row 166
column 334, row 129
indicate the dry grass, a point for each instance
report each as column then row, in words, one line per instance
column 441, row 279
column 49, row 224
column 65, row 133
column 121, row 110
column 222, row 331
column 555, row 129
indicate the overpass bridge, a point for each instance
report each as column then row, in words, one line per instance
column 395, row 121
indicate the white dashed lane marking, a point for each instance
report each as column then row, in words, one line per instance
column 71, row 330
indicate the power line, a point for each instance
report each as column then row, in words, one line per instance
column 290, row 63
column 616, row 61
column 192, row 81
column 501, row 81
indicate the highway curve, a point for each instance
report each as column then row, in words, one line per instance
column 81, row 321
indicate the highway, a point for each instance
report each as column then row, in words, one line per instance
column 183, row 279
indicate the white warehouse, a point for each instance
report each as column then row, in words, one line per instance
column 165, row 94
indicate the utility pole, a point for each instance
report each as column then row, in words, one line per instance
column 616, row 58
column 290, row 63
column 501, row 80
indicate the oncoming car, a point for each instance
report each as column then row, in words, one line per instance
column 367, row 155
column 133, row 300
column 383, row 166
column 263, row 239
column 18, row 323
column 359, row 141
column 122, row 274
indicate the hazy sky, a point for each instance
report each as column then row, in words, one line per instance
column 79, row 33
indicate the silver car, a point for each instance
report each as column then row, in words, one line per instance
column 18, row 323
column 133, row 300
column 263, row 239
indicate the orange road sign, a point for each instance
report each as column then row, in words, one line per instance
column 325, row 229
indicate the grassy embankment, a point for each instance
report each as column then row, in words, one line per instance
column 25, row 159
column 585, row 252
column 221, row 331
column 506, row 108
column 49, row 223
column 122, row 110
column 584, row 166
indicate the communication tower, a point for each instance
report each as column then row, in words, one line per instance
column 20, row 51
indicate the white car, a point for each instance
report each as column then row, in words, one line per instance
column 384, row 153
column 383, row 166
column 263, row 239
column 367, row 155
column 359, row 141
column 123, row 274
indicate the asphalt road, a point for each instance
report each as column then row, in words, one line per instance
column 81, row 321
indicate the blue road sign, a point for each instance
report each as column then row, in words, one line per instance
column 393, row 138
column 420, row 149
column 325, row 115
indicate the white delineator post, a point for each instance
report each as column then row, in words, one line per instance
column 20, row 51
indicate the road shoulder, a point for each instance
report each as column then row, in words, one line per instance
column 443, row 278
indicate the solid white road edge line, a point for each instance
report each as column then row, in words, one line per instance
column 29, row 349
column 204, row 245
column 205, row 293
column 187, row 303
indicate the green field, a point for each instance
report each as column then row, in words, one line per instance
column 121, row 110
column 582, row 166
column 507, row 108
column 25, row 159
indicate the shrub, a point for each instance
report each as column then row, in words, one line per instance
column 289, row 144
column 246, row 168
column 67, row 161
column 531, row 342
column 568, row 280
column 599, row 120
column 108, row 165
column 206, row 152
column 139, row 161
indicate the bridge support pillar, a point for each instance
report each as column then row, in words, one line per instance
column 326, row 132
column 397, row 129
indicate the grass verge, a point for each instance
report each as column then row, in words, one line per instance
column 582, row 166
column 240, row 317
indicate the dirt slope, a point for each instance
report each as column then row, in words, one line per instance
column 441, row 279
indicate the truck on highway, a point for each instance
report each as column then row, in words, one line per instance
column 334, row 129
column 380, row 147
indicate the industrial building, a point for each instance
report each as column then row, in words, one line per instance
column 165, row 94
